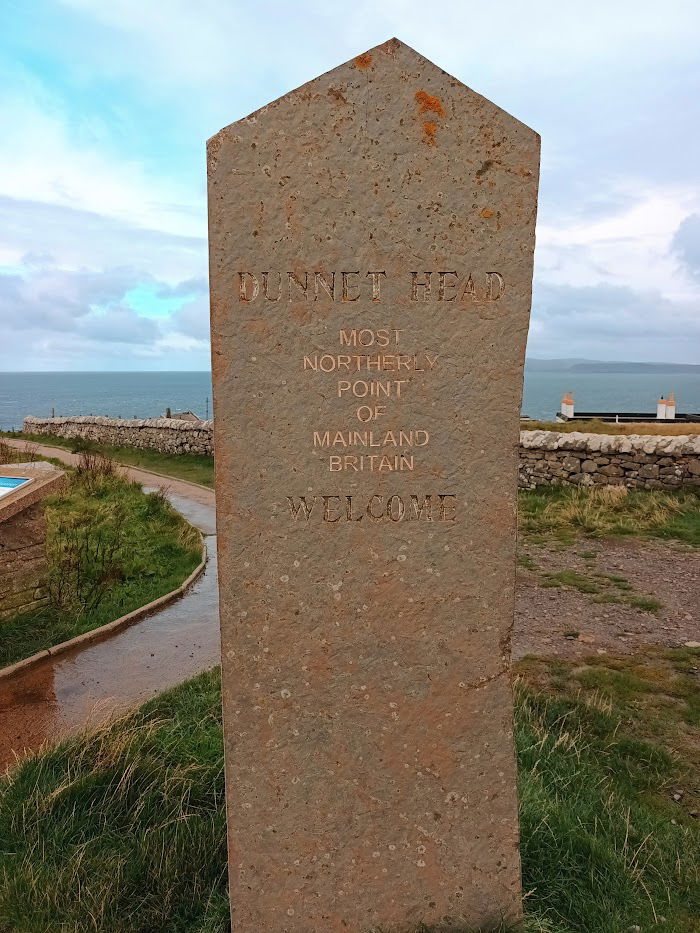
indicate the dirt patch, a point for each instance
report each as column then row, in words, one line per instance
column 605, row 597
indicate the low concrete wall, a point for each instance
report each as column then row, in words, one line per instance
column 547, row 458
column 166, row 435
column 23, row 538
column 23, row 562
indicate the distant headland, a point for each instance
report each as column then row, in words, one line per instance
column 607, row 366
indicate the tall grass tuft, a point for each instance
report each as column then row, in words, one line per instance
column 124, row 830
column 26, row 454
column 601, row 511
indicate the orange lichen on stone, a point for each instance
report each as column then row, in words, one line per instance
column 429, row 129
column 363, row 61
column 486, row 212
column 429, row 104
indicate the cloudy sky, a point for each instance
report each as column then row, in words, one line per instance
column 105, row 107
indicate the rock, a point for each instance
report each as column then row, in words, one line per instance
column 276, row 773
column 649, row 471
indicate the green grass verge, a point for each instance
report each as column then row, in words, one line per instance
column 111, row 549
column 125, row 829
column 195, row 468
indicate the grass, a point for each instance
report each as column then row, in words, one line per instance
column 603, row 587
column 124, row 830
column 130, row 820
column 195, row 468
column 594, row 426
column 603, row 511
column 111, row 549
column 603, row 749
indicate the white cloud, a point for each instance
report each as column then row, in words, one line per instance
column 631, row 246
column 75, row 318
column 85, row 240
column 612, row 322
column 686, row 245
column 208, row 42
column 98, row 199
column 47, row 156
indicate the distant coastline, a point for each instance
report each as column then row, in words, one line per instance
column 533, row 364
column 607, row 366
column 598, row 385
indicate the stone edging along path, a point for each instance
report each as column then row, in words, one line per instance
column 109, row 628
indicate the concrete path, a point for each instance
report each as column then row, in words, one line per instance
column 86, row 687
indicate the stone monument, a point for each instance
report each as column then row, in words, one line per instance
column 371, row 247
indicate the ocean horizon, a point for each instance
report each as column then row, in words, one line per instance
column 149, row 394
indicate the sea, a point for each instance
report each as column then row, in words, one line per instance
column 149, row 394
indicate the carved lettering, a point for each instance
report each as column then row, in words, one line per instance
column 360, row 388
column 244, row 280
column 301, row 506
column 410, row 438
column 349, row 287
column 294, row 280
column 496, row 286
column 371, row 463
column 451, row 286
column 328, row 287
column 376, row 284
column 378, row 507
column 415, row 285
column 443, row 285
column 367, row 337
column 266, row 286
column 370, row 362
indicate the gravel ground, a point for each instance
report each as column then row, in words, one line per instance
column 562, row 621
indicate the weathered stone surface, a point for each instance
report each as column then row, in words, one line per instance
column 366, row 629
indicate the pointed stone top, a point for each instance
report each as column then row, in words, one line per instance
column 375, row 63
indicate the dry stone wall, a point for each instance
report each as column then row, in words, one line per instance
column 547, row 458
column 167, row 435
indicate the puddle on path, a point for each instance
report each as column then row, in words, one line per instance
column 84, row 688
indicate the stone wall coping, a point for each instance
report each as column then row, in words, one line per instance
column 174, row 424
column 663, row 444
column 45, row 482
column 676, row 445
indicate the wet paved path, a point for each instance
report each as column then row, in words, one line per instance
column 84, row 688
